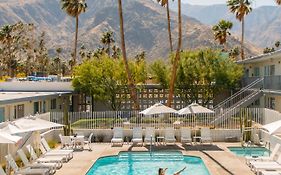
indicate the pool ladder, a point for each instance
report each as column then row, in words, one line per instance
column 150, row 146
column 249, row 144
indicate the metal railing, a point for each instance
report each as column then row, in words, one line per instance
column 110, row 119
column 269, row 82
column 241, row 94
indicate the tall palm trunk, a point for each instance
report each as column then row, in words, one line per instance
column 132, row 88
column 75, row 42
column 177, row 58
column 242, row 39
column 108, row 48
column 169, row 27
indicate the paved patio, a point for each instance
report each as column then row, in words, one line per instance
column 218, row 159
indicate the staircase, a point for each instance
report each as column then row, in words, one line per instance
column 240, row 99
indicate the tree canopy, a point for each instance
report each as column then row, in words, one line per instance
column 105, row 77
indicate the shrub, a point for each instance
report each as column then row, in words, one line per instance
column 100, row 137
column 52, row 143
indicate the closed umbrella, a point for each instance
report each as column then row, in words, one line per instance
column 158, row 108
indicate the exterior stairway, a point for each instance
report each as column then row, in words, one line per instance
column 240, row 99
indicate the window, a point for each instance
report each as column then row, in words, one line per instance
column 256, row 72
column 269, row 70
column 272, row 70
column 271, row 103
column 20, row 111
column 2, row 114
column 53, row 104
column 36, row 107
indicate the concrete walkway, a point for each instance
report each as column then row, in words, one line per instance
column 218, row 159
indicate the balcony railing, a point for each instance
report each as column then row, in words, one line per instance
column 269, row 82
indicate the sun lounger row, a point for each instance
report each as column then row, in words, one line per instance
column 266, row 165
column 149, row 137
column 49, row 161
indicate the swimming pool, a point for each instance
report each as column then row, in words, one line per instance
column 142, row 163
column 249, row 151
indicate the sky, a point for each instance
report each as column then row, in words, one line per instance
column 256, row 3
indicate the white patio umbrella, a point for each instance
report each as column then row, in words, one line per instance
column 195, row 108
column 158, row 108
column 6, row 138
column 28, row 124
column 273, row 128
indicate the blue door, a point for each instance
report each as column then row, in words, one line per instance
column 2, row 114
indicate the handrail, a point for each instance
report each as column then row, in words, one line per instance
column 239, row 92
column 229, row 110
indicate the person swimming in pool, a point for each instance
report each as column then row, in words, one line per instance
column 162, row 171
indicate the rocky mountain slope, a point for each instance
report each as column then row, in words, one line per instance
column 263, row 24
column 145, row 25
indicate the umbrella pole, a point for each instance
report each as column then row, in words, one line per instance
column 7, row 163
column 194, row 119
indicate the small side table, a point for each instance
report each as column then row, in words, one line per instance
column 196, row 138
column 160, row 140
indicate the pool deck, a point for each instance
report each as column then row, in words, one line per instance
column 218, row 159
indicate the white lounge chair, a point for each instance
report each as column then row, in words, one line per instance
column 137, row 135
column 66, row 142
column 206, row 136
column 186, row 135
column 270, row 172
column 117, row 136
column 89, row 141
column 149, row 135
column 58, row 160
column 253, row 160
column 2, row 172
column 50, row 166
column 170, row 135
column 65, row 157
column 269, row 165
column 27, row 170
column 67, row 152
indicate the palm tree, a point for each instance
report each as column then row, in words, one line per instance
column 240, row 8
column 177, row 58
column 132, row 88
column 107, row 39
column 74, row 8
column 166, row 3
column 221, row 31
column 6, row 38
column 277, row 44
column 57, row 60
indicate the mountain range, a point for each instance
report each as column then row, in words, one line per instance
column 145, row 25
column 262, row 25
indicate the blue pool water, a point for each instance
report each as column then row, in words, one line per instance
column 142, row 163
column 250, row 151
